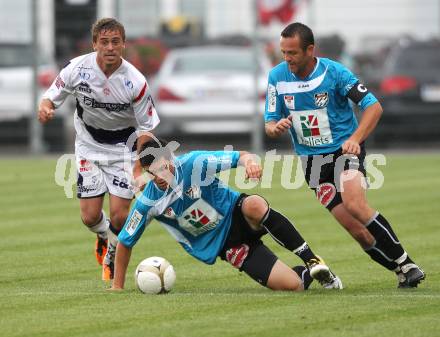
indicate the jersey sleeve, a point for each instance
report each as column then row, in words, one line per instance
column 61, row 87
column 139, row 218
column 349, row 86
column 272, row 111
column 144, row 109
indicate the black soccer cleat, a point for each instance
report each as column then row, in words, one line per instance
column 410, row 276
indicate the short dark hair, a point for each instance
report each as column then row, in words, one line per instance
column 303, row 31
column 107, row 24
column 152, row 150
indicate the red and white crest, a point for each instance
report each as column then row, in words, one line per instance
column 325, row 193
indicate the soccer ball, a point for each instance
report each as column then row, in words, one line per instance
column 155, row 275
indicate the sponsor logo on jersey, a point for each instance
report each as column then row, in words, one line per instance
column 194, row 192
column 321, row 99
column 289, row 100
column 133, row 223
column 84, row 87
column 106, row 91
column 199, row 218
column 312, row 127
column 272, row 98
column 325, row 193
column 59, row 83
column 309, row 125
column 84, row 75
column 91, row 102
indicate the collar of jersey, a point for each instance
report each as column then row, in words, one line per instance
column 99, row 70
column 310, row 75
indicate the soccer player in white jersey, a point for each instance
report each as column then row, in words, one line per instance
column 210, row 220
column 112, row 103
column 309, row 97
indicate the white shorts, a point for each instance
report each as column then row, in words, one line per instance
column 100, row 172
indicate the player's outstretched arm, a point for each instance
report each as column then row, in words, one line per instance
column 122, row 258
column 46, row 110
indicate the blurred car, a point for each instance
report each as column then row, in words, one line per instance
column 410, row 93
column 209, row 89
column 16, row 100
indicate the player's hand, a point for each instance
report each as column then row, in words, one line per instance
column 282, row 126
column 138, row 182
column 351, row 147
column 253, row 169
column 45, row 113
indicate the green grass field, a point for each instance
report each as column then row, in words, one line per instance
column 50, row 282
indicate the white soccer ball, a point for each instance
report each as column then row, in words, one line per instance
column 155, row 275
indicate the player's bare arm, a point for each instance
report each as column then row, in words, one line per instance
column 368, row 122
column 253, row 169
column 122, row 258
column 275, row 129
column 46, row 110
column 137, row 168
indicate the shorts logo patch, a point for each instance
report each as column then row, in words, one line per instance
column 134, row 222
column 236, row 255
column 321, row 99
column 289, row 100
column 325, row 193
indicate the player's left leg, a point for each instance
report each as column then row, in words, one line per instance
column 119, row 209
column 353, row 193
column 259, row 216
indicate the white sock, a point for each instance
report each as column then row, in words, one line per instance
column 111, row 247
column 101, row 227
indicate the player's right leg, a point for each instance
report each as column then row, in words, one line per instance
column 95, row 220
column 259, row 216
column 91, row 189
column 386, row 245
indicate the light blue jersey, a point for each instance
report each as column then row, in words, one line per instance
column 322, row 115
column 197, row 211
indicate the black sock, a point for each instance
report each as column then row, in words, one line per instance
column 386, row 240
column 304, row 275
column 285, row 233
column 113, row 229
column 378, row 256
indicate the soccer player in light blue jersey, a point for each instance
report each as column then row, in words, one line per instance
column 309, row 97
column 210, row 220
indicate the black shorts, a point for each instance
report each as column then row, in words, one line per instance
column 320, row 172
column 244, row 249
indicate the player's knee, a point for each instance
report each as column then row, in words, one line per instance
column 284, row 278
column 90, row 218
column 254, row 208
column 356, row 208
column 118, row 218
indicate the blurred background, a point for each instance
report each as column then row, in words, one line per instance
column 207, row 63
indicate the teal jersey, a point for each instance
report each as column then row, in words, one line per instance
column 196, row 211
column 322, row 114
